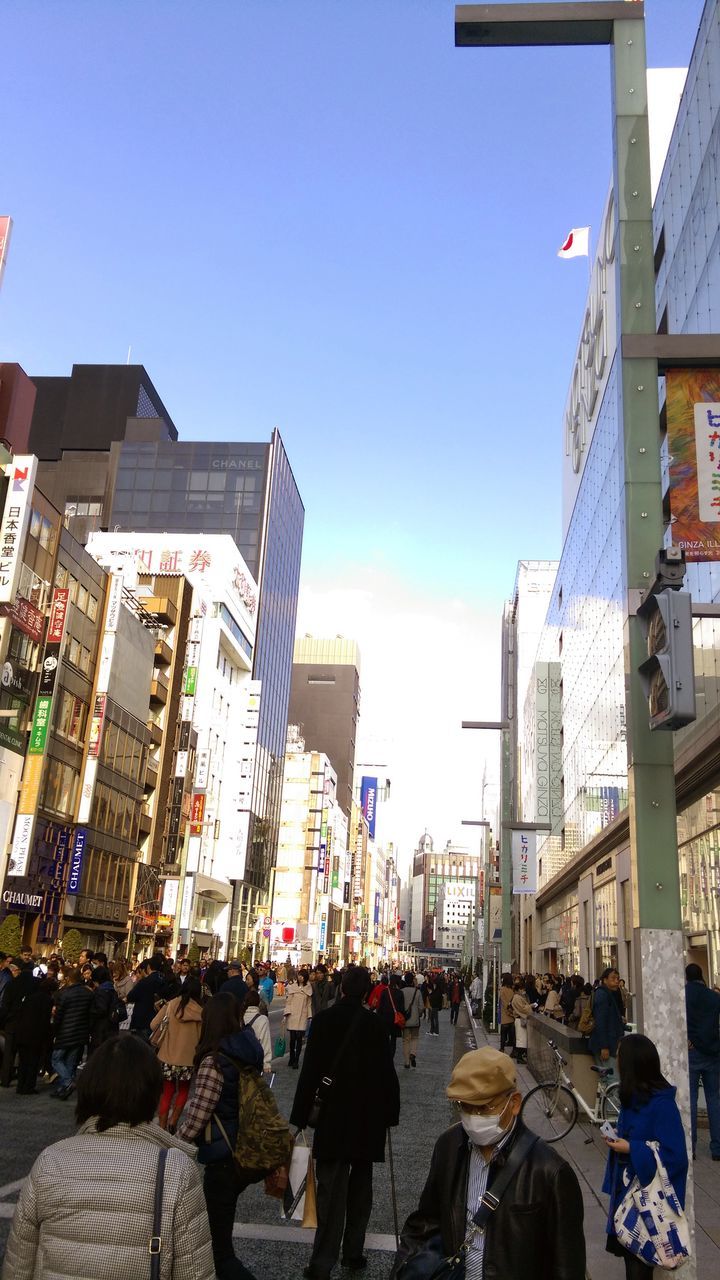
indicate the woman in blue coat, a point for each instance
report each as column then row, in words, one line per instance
column 649, row 1113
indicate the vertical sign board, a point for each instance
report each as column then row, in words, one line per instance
column 76, row 860
column 5, row 233
column 524, row 861
column 20, row 475
column 693, row 436
column 368, row 800
column 32, row 773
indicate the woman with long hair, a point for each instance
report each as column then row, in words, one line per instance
column 253, row 1016
column 649, row 1113
column 298, row 1002
column 211, row 1119
column 176, row 1028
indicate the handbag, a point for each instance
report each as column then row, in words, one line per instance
column 398, row 1018
column 280, row 1047
column 650, row 1222
column 155, row 1244
column 160, row 1032
column 431, row 1262
column 586, row 1021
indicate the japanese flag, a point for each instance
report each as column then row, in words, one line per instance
column 577, row 244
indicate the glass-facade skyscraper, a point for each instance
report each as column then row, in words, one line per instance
column 247, row 490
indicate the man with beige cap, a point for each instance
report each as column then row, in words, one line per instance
column 495, row 1186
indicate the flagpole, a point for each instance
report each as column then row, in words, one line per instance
column 590, row 259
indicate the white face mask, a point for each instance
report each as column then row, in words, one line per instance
column 484, row 1131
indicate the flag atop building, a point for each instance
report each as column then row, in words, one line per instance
column 577, row 244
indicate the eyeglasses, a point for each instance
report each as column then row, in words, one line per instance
column 485, row 1108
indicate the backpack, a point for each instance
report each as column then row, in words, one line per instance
column 263, row 1142
column 586, row 1022
column 118, row 1010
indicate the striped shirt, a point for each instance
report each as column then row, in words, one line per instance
column 477, row 1186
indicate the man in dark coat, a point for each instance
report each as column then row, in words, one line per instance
column 609, row 1029
column 73, row 1017
column 144, row 995
column 235, row 983
column 536, row 1231
column 14, row 997
column 349, row 1045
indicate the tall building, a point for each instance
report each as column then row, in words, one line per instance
column 325, row 704
column 454, row 865
column 110, row 459
column 586, row 911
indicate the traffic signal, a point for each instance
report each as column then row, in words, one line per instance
column 668, row 674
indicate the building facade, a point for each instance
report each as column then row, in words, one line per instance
column 325, row 703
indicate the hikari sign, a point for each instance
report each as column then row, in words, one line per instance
column 524, row 861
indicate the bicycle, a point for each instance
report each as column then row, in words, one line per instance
column 551, row 1109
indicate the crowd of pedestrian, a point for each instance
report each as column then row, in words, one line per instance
column 172, row 1063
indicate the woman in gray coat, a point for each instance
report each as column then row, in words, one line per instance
column 87, row 1205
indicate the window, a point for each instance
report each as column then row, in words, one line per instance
column 82, row 598
column 72, row 717
column 60, row 788
column 92, row 608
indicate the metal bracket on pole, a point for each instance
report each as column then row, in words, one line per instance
column 526, row 826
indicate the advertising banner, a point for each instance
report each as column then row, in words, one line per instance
column 21, row 480
column 368, row 799
column 40, row 725
column 25, row 617
column 20, row 851
column 58, row 613
column 76, row 860
column 96, row 724
column 693, row 436
column 191, row 681
column 524, row 861
column 170, row 897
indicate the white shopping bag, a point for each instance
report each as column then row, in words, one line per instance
column 296, row 1181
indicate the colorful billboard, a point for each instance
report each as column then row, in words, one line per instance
column 693, row 434
column 368, row 801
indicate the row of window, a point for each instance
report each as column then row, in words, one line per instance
column 43, row 530
column 72, row 715
column 123, row 752
column 83, row 506
column 83, row 599
column 60, row 788
column 106, row 875
column 79, row 656
column 115, row 813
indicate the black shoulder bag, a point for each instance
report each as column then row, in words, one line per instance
column 430, row 1262
column 325, row 1084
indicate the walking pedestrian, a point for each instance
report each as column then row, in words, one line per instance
column 521, row 1009
column 211, row 1118
column 235, row 982
column 507, row 1017
column 536, row 1230
column 87, row 1205
column 16, row 992
column 72, row 1021
column 609, row 1026
column 108, row 1009
column 321, row 990
column 457, row 996
column 298, row 1005
column 177, row 1027
column 348, row 1046
column 648, row 1113
column 145, row 995
column 33, row 1033
column 435, row 1004
column 703, row 1019
column 412, row 1008
column 254, row 1018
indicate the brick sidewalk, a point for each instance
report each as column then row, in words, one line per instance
column 586, row 1151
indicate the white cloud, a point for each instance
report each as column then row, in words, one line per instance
column 428, row 661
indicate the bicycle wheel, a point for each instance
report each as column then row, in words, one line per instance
column 610, row 1103
column 550, row 1111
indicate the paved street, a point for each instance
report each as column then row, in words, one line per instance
column 273, row 1250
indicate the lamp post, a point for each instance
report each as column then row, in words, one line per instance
column 657, row 919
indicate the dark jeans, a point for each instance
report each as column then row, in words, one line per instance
column 65, row 1063
column 705, row 1069
column 296, row 1043
column 29, row 1060
column 434, row 1021
column 454, row 1011
column 507, row 1036
column 344, row 1202
column 222, row 1185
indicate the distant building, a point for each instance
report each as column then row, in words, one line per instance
column 325, row 704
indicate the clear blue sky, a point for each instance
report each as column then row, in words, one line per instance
column 320, row 215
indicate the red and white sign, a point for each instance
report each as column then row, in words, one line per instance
column 21, row 482
column 58, row 613
column 25, row 617
column 5, row 233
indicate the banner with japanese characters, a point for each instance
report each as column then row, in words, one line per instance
column 524, row 861
column 692, row 405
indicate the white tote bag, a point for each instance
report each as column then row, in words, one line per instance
column 650, row 1222
column 296, row 1181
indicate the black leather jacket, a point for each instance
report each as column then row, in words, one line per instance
column 537, row 1231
